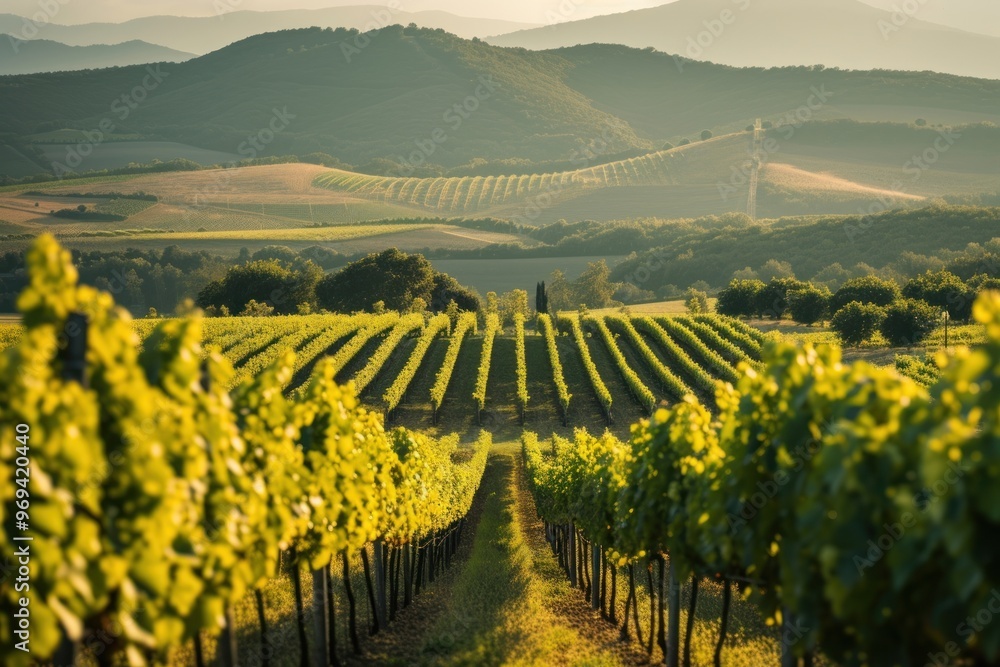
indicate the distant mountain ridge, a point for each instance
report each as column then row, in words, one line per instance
column 202, row 35
column 415, row 96
column 847, row 34
column 42, row 55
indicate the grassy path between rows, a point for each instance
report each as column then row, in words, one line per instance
column 506, row 602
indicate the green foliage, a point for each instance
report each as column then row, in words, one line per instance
column 485, row 360
column 632, row 380
column 740, row 299
column 418, row 306
column 466, row 323
column 666, row 377
column 696, row 301
column 676, row 356
column 909, row 321
column 549, row 334
column 394, row 395
column 512, row 303
column 165, row 493
column 492, row 303
column 724, row 347
column 833, row 489
column 772, row 300
column 944, row 290
column 809, row 304
column 267, row 282
column 403, row 328
column 735, row 332
column 521, row 363
column 255, row 309
column 601, row 390
column 857, row 322
column 868, row 290
column 390, row 276
column 593, row 287
column 541, row 298
column 707, row 356
column 922, row 371
column 714, row 248
column 395, row 278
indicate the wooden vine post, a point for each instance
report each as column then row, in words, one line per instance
column 321, row 622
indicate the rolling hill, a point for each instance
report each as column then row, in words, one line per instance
column 419, row 97
column 823, row 167
column 203, row 34
column 777, row 33
column 819, row 167
column 42, row 55
column 982, row 16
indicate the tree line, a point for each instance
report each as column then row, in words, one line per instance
column 905, row 315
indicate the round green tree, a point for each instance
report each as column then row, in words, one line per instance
column 809, row 304
column 740, row 298
column 909, row 321
column 944, row 290
column 867, row 289
column 857, row 322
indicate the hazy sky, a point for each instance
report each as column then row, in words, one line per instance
column 974, row 15
column 529, row 11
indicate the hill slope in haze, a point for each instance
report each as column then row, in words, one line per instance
column 42, row 55
column 204, row 34
column 417, row 96
column 982, row 16
column 773, row 33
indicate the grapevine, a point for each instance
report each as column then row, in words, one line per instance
column 483, row 375
column 673, row 384
column 562, row 391
column 631, row 378
column 600, row 389
column 522, row 365
column 394, row 394
column 466, row 322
